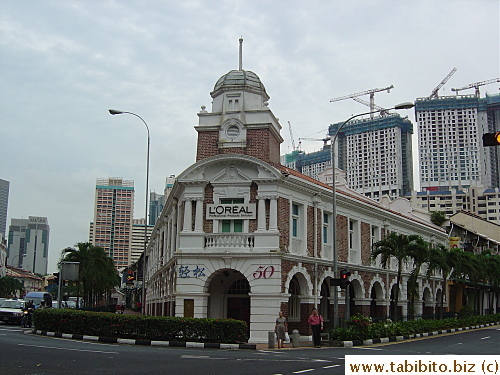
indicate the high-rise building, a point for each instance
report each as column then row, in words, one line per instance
column 375, row 153
column 4, row 201
column 113, row 214
column 28, row 245
column 137, row 244
column 450, row 141
column 156, row 202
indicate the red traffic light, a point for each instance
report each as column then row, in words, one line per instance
column 491, row 139
column 344, row 275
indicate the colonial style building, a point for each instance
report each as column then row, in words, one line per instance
column 243, row 237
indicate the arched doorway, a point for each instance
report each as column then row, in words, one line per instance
column 392, row 307
column 324, row 304
column 229, row 296
column 376, row 296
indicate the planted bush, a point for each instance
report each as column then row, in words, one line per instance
column 140, row 326
column 360, row 327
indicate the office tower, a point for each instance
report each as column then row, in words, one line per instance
column 169, row 184
column 450, row 141
column 137, row 244
column 376, row 155
column 4, row 202
column 156, row 202
column 113, row 213
column 28, row 245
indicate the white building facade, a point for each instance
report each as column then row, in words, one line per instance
column 243, row 237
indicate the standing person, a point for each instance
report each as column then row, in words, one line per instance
column 280, row 328
column 316, row 322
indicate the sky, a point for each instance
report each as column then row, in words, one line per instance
column 63, row 64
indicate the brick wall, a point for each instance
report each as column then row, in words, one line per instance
column 310, row 231
column 284, row 223
column 342, row 238
column 365, row 243
column 208, row 225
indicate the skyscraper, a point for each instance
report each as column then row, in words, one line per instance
column 113, row 214
column 28, row 245
column 376, row 155
column 450, row 141
column 4, row 202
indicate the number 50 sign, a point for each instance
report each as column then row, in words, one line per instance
column 264, row 272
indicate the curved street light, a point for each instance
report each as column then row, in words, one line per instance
column 405, row 105
column 116, row 112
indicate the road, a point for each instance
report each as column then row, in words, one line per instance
column 22, row 353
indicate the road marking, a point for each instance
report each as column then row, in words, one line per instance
column 302, row 371
column 74, row 350
column 484, row 338
column 332, row 366
column 361, row 348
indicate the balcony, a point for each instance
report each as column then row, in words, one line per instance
column 229, row 240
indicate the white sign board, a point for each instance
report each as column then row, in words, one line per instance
column 231, row 211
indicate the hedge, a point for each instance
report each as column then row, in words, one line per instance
column 145, row 327
column 361, row 328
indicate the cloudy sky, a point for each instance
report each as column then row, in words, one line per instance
column 63, row 64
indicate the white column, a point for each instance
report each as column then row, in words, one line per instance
column 261, row 222
column 198, row 222
column 188, row 213
column 273, row 214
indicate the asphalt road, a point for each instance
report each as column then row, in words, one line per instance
column 22, row 353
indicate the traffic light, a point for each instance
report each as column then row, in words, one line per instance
column 344, row 279
column 491, row 139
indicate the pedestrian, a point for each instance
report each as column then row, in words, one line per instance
column 280, row 329
column 122, row 308
column 316, row 322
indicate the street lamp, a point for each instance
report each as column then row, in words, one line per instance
column 116, row 112
column 406, row 105
column 19, row 262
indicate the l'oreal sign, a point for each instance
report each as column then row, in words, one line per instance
column 231, row 211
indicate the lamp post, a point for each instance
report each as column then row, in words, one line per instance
column 116, row 112
column 19, row 262
column 406, row 105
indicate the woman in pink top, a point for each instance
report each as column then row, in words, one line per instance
column 316, row 322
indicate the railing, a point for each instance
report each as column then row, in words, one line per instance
column 229, row 241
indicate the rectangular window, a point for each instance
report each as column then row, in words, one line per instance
column 295, row 220
column 232, row 226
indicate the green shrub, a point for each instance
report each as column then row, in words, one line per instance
column 363, row 329
column 140, row 326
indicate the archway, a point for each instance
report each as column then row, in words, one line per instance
column 376, row 295
column 229, row 296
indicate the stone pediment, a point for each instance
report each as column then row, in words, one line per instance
column 230, row 174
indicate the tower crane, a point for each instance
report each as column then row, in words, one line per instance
column 383, row 111
column 291, row 137
column 367, row 92
column 476, row 85
column 434, row 93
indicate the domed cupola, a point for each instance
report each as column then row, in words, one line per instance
column 240, row 80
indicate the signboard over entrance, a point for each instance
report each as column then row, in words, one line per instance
column 231, row 211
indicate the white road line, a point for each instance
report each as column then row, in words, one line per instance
column 484, row 338
column 302, row 371
column 74, row 350
column 332, row 366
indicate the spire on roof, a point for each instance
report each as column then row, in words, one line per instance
column 241, row 53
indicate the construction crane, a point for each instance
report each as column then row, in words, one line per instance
column 291, row 137
column 476, row 85
column 434, row 93
column 383, row 111
column 367, row 92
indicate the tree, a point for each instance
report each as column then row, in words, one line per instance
column 418, row 251
column 9, row 286
column 96, row 273
column 438, row 217
column 396, row 246
column 442, row 259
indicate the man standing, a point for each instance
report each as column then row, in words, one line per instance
column 316, row 322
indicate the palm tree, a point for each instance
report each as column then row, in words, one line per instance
column 9, row 286
column 489, row 276
column 441, row 258
column 418, row 252
column 396, row 246
column 96, row 272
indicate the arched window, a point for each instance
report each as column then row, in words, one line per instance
column 294, row 301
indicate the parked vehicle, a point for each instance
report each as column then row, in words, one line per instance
column 12, row 311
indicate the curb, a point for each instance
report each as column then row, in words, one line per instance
column 176, row 344
column 348, row 344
